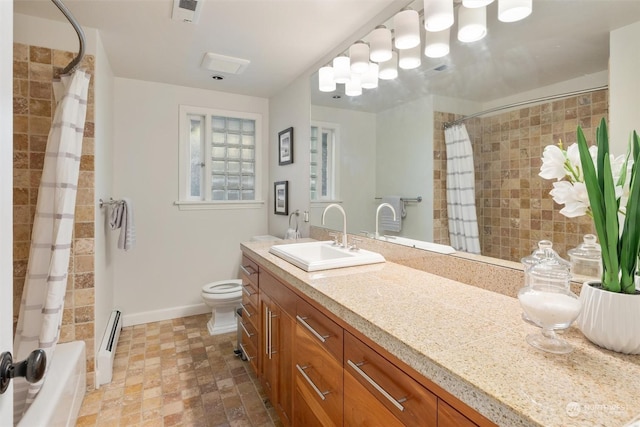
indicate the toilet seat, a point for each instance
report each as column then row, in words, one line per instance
column 222, row 287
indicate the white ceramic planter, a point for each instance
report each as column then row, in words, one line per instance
column 610, row 320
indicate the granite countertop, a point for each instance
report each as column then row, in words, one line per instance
column 471, row 342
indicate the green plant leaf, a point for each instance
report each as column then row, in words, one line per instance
column 596, row 200
column 612, row 228
column 602, row 141
column 630, row 240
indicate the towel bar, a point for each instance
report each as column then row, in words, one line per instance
column 407, row 199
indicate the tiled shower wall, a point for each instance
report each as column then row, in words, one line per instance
column 514, row 207
column 34, row 106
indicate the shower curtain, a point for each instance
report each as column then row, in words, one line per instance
column 46, row 282
column 461, row 201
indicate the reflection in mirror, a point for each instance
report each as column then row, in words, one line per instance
column 392, row 137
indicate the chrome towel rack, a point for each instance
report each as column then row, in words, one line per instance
column 102, row 203
column 407, row 199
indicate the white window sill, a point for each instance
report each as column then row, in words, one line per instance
column 198, row 205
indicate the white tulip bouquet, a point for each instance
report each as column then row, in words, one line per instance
column 590, row 181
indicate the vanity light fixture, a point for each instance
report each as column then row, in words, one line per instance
column 438, row 14
column 341, row 69
column 380, row 44
column 389, row 69
column 472, row 24
column 406, row 25
column 326, row 81
column 514, row 10
column 370, row 78
column 436, row 45
column 359, row 56
column 410, row 58
column 476, row 3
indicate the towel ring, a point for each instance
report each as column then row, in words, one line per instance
column 297, row 214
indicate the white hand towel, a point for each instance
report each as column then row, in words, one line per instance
column 122, row 218
column 386, row 216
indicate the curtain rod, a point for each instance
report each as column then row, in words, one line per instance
column 81, row 40
column 521, row 103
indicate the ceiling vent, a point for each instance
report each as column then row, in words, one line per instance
column 224, row 64
column 187, row 10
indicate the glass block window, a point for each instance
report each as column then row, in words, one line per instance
column 322, row 161
column 221, row 148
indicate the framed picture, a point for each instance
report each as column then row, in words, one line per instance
column 281, row 197
column 285, row 147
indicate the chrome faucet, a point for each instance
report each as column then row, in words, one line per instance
column 344, row 221
column 380, row 206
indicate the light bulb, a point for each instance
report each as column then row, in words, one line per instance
column 514, row 10
column 380, row 44
column 406, row 26
column 472, row 24
column 436, row 45
column 410, row 58
column 389, row 69
column 359, row 55
column 438, row 14
column 370, row 78
column 326, row 82
column 341, row 69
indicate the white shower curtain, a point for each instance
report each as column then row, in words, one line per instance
column 46, row 282
column 461, row 200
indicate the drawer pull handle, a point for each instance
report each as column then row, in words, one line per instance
column 245, row 352
column 321, row 394
column 396, row 403
column 322, row 338
column 247, row 291
column 246, row 269
column 244, row 308
column 245, row 330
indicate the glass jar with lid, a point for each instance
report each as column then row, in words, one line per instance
column 586, row 258
column 544, row 251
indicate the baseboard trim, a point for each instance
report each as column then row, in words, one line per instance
column 164, row 314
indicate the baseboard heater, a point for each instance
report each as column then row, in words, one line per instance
column 107, row 350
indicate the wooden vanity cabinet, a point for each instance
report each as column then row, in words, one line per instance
column 318, row 371
column 318, row 394
column 277, row 305
column 250, row 323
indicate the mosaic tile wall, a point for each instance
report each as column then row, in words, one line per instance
column 34, row 106
column 515, row 210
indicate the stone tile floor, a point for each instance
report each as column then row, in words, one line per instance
column 173, row 373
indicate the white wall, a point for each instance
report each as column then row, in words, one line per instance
column 290, row 108
column 405, row 162
column 624, row 91
column 357, row 169
column 51, row 34
column 177, row 251
column 103, row 181
column 6, row 193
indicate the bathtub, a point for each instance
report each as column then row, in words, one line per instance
column 58, row 402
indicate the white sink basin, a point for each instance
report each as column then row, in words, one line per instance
column 316, row 256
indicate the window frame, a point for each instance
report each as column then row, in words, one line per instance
column 185, row 200
column 333, row 168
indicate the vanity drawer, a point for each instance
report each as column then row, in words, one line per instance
column 249, row 331
column 318, row 379
column 406, row 399
column 324, row 331
column 249, row 312
column 250, row 271
column 250, row 351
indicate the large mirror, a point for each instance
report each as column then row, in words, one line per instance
column 389, row 141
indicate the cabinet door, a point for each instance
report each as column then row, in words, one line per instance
column 450, row 417
column 284, row 348
column 405, row 398
column 269, row 335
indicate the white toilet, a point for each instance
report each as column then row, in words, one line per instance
column 224, row 297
